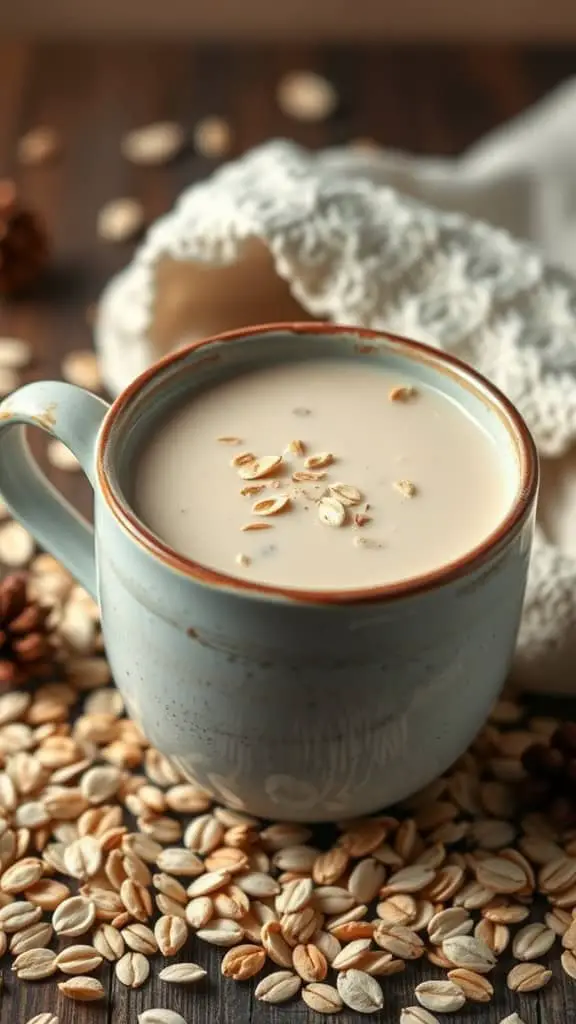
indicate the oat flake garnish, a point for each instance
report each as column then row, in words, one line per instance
column 251, row 489
column 256, row 526
column 243, row 560
column 229, row 439
column 296, row 448
column 331, row 512
column 304, row 475
column 242, row 459
column 270, row 506
column 366, row 542
column 346, row 494
column 405, row 487
column 263, row 466
column 402, row 394
column 319, row 460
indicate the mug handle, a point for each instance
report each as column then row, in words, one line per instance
column 73, row 416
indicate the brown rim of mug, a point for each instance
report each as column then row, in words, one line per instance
column 471, row 561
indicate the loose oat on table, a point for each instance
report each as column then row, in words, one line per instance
column 469, row 951
column 528, row 977
column 440, row 996
column 153, row 144
column 83, row 989
column 533, row 941
column 132, row 970
column 140, row 938
column 212, row 137
column 78, row 960
column 243, row 962
column 81, row 367
column 159, row 1015
column 60, row 456
column 38, row 146
column 306, row 96
column 120, row 220
column 417, row 1015
column 360, row 991
column 322, row 998
column 35, row 964
column 182, row 973
column 475, row 987
column 170, row 933
column 16, row 545
column 15, row 353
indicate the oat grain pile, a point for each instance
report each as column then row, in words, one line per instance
column 107, row 854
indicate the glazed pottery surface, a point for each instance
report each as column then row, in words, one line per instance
column 289, row 704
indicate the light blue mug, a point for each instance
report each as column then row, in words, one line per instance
column 289, row 704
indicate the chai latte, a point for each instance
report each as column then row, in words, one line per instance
column 325, row 474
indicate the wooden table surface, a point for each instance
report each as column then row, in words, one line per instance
column 434, row 101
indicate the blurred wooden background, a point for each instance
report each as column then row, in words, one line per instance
column 310, row 20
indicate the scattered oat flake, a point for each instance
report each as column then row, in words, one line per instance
column 345, row 493
column 81, row 367
column 84, row 989
column 61, row 457
column 15, row 353
column 417, row 1015
column 120, row 220
column 38, row 146
column 331, row 512
column 160, row 1015
column 367, row 542
column 229, row 439
column 182, row 973
column 242, row 459
column 360, row 991
column 403, row 393
column 405, row 487
column 296, row 447
column 16, row 545
column 271, row 506
column 212, row 137
column 242, row 560
column 264, row 466
column 319, row 460
column 306, row 96
column 322, row 998
column 306, row 475
column 153, row 144
column 251, row 489
column 248, row 527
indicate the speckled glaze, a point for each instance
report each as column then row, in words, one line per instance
column 287, row 703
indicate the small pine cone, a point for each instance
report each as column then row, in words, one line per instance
column 26, row 650
column 23, row 243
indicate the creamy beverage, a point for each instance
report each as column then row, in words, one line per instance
column 325, row 474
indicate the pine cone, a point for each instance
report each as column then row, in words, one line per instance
column 26, row 650
column 551, row 782
column 23, row 243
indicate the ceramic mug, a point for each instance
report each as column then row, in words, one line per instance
column 286, row 703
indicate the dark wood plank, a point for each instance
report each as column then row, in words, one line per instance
column 435, row 100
